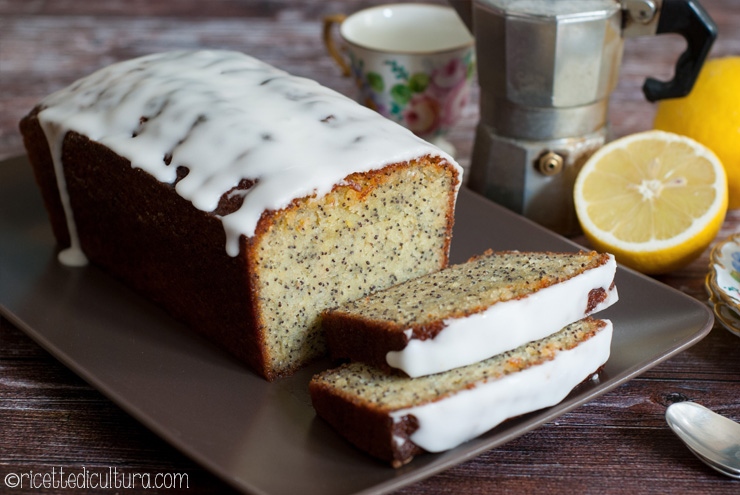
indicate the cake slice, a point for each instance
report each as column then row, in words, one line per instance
column 394, row 417
column 470, row 311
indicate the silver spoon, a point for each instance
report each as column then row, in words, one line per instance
column 711, row 437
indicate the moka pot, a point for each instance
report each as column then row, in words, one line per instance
column 546, row 70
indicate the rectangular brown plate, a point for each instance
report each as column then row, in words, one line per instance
column 245, row 430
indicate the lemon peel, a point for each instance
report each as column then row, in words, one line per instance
column 710, row 114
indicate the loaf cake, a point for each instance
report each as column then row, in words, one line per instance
column 394, row 417
column 470, row 311
column 240, row 198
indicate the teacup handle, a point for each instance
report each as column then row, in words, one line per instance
column 329, row 22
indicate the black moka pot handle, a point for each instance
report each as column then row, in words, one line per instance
column 690, row 20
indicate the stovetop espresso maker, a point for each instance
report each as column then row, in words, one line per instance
column 546, row 69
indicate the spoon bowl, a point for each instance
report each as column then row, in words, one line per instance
column 713, row 438
column 722, row 469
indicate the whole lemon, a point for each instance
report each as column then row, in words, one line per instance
column 710, row 114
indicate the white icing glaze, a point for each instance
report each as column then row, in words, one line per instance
column 447, row 423
column 506, row 325
column 73, row 255
column 226, row 117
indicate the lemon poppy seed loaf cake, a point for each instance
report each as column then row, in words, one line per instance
column 394, row 417
column 471, row 311
column 240, row 198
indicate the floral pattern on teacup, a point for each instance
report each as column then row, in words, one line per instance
column 427, row 101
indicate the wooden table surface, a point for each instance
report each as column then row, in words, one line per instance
column 618, row 443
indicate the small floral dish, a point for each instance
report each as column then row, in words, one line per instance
column 723, row 282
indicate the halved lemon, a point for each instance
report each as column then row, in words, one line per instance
column 654, row 199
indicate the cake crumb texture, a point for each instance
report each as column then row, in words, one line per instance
column 378, row 230
column 468, row 288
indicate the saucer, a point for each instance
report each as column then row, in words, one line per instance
column 723, row 282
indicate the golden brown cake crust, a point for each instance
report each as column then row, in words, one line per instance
column 367, row 428
column 142, row 232
column 39, row 155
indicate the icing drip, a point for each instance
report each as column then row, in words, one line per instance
column 73, row 255
column 226, row 118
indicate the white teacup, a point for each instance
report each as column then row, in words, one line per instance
column 413, row 63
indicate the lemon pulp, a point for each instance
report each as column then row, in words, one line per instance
column 654, row 199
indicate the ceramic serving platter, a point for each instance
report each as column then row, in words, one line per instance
column 249, row 432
